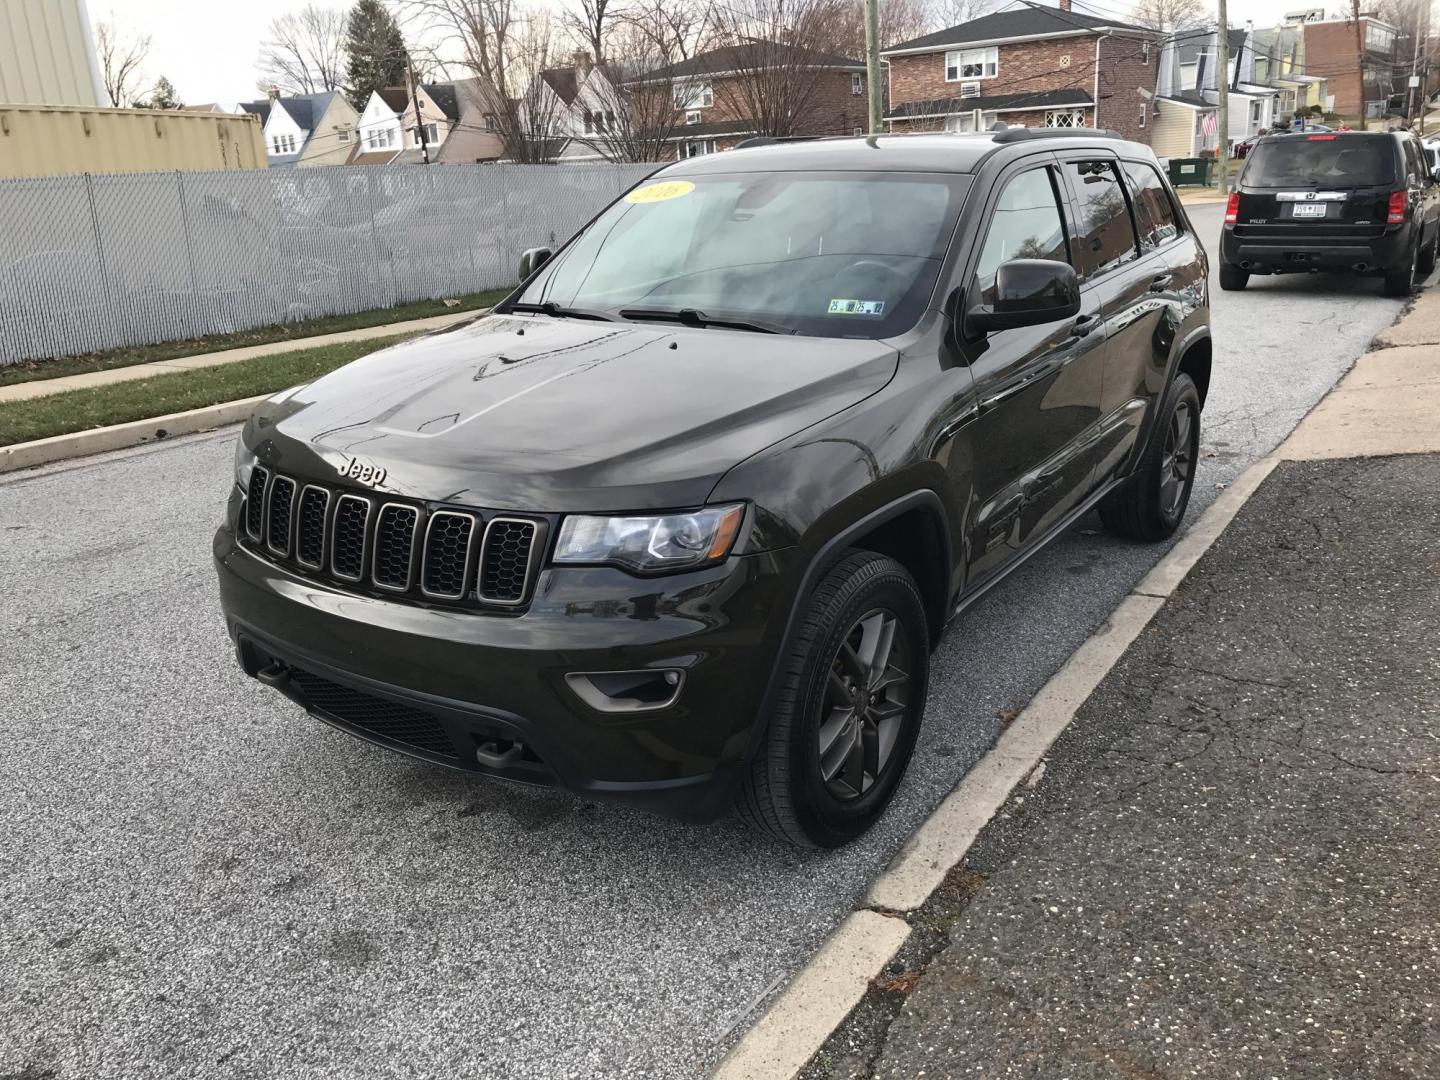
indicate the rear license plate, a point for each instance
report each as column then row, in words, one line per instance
column 1307, row 210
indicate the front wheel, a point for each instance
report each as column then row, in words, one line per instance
column 1150, row 505
column 1232, row 278
column 851, row 695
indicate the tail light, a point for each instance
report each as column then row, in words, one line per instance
column 1396, row 215
column 1232, row 208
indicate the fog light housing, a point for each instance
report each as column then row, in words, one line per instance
column 646, row 690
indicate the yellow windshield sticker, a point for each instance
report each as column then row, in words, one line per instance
column 669, row 189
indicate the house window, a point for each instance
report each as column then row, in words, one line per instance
column 489, row 121
column 343, row 134
column 972, row 64
column 966, row 122
column 696, row 148
column 379, row 138
column 283, row 144
column 610, row 119
column 1065, row 118
column 589, row 122
column 857, row 84
column 432, row 134
column 1144, row 52
column 693, row 95
column 1144, row 114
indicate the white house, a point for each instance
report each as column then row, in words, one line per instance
column 307, row 129
column 380, row 131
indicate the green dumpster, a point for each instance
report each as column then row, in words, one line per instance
column 1185, row 171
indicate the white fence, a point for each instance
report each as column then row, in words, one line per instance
column 94, row 262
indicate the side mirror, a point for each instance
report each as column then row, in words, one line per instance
column 533, row 259
column 1028, row 292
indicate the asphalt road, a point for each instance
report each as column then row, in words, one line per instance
column 198, row 880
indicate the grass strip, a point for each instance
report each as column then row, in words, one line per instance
column 31, row 370
column 141, row 399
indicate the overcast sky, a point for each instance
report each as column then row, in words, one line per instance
column 207, row 48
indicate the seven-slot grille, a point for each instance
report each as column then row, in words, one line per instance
column 444, row 555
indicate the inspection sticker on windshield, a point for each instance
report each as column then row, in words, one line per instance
column 670, row 189
column 857, row 307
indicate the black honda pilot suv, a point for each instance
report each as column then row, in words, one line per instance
column 680, row 522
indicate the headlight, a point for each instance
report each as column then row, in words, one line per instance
column 661, row 542
column 244, row 462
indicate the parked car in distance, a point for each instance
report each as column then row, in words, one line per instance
column 1345, row 202
column 680, row 523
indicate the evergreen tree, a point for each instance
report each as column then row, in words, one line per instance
column 164, row 96
column 376, row 51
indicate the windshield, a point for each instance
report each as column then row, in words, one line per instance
column 1319, row 160
column 831, row 254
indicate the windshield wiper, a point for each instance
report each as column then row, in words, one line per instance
column 691, row 317
column 555, row 311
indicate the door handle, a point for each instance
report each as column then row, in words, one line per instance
column 1160, row 282
column 1083, row 325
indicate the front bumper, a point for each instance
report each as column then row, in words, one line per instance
column 463, row 688
column 1306, row 252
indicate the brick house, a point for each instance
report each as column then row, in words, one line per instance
column 1330, row 52
column 1028, row 67
column 721, row 97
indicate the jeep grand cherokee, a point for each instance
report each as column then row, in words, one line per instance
column 680, row 522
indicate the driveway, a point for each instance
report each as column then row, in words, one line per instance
column 199, row 881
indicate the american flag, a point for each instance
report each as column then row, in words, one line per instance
column 1208, row 123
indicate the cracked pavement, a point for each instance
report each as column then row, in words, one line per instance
column 199, row 881
column 1229, row 867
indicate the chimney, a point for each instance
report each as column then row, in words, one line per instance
column 580, row 61
column 1064, row 5
column 273, row 93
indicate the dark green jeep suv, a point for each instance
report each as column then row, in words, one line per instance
column 680, row 522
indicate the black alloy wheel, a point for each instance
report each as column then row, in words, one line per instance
column 863, row 707
column 1178, row 462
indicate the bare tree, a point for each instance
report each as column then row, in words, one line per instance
column 900, row 20
column 304, row 52
column 627, row 115
column 509, row 50
column 121, row 60
column 948, row 13
column 590, row 21
column 674, row 29
column 778, row 49
column 1171, row 15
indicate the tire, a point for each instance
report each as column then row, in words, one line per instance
column 1232, row 278
column 1151, row 504
column 795, row 790
column 1427, row 256
column 1400, row 280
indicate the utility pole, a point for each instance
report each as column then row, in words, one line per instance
column 1415, row 93
column 873, row 83
column 1359, row 57
column 1425, row 76
column 419, row 121
column 1222, row 87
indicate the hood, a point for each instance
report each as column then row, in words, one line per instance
column 541, row 414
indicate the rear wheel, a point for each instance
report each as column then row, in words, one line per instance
column 1150, row 505
column 1400, row 280
column 1430, row 251
column 1232, row 278
column 852, row 693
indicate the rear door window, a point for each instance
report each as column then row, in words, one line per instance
column 1334, row 160
column 1154, row 215
column 1104, row 237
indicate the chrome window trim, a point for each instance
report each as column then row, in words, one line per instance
column 270, row 509
column 324, row 526
column 364, row 538
column 375, row 547
column 264, row 499
column 469, row 552
column 537, row 546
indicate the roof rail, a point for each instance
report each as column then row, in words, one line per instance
column 771, row 140
column 1010, row 135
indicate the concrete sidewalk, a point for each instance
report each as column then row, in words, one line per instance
column 44, row 387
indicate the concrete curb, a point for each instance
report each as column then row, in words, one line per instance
column 121, row 436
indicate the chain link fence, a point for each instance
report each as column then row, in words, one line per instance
column 95, row 262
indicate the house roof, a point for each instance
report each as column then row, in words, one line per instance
column 395, row 97
column 373, row 157
column 307, row 109
column 1188, row 97
column 1189, row 46
column 1045, row 99
column 1022, row 22
column 445, row 99
column 685, row 132
column 562, row 81
column 259, row 108
column 744, row 57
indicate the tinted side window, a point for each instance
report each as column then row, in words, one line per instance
column 1104, row 237
column 1026, row 225
column 1154, row 215
column 1412, row 159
